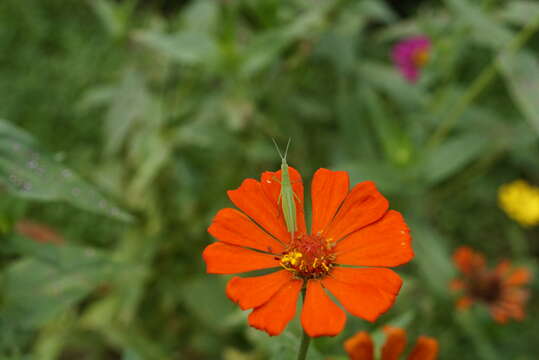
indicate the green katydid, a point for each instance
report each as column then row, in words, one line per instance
column 287, row 195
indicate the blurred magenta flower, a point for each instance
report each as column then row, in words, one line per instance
column 410, row 55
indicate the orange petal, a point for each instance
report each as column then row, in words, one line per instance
column 395, row 343
column 366, row 293
column 466, row 260
column 520, row 276
column 503, row 267
column 499, row 314
column 456, row 285
column 273, row 316
column 360, row 347
column 252, row 292
column 363, row 206
column 271, row 182
column 233, row 227
column 328, row 191
column 386, row 242
column 464, row 302
column 320, row 315
column 222, row 258
column 251, row 198
column 426, row 348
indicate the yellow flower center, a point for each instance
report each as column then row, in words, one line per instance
column 421, row 57
column 308, row 257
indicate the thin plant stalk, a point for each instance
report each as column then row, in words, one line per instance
column 481, row 82
column 306, row 339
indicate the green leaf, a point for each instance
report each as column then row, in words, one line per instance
column 452, row 156
column 202, row 16
column 113, row 15
column 205, row 297
column 432, row 257
column 520, row 12
column 129, row 105
column 40, row 287
column 521, row 72
column 28, row 171
column 187, row 47
column 282, row 347
column 266, row 47
column 394, row 140
column 475, row 331
column 484, row 29
column 53, row 336
column 387, row 80
column 377, row 10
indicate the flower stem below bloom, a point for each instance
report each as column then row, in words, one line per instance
column 304, row 347
column 306, row 339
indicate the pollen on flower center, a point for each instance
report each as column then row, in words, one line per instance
column 487, row 287
column 308, row 257
column 420, row 57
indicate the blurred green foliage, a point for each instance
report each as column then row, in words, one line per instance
column 128, row 121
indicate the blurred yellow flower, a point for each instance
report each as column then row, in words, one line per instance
column 520, row 201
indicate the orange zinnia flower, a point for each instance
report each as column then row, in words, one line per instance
column 499, row 288
column 360, row 346
column 348, row 228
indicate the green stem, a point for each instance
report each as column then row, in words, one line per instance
column 306, row 339
column 481, row 82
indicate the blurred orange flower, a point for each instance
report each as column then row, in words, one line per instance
column 501, row 288
column 361, row 347
column 39, row 232
column 348, row 227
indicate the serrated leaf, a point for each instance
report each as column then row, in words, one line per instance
column 28, row 171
